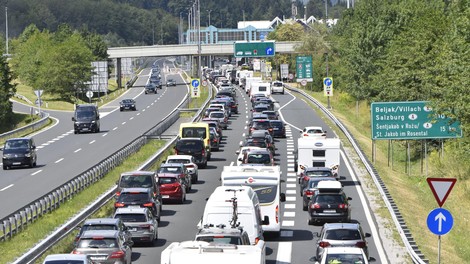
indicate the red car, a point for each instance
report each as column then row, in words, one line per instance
column 172, row 188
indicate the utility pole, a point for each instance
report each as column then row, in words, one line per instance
column 7, row 54
column 199, row 65
column 210, row 10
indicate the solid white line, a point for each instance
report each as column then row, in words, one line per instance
column 36, row 172
column 6, row 187
column 374, row 231
column 77, row 150
column 59, row 160
column 91, row 142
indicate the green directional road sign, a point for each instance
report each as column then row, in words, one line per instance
column 410, row 120
column 254, row 49
column 304, row 68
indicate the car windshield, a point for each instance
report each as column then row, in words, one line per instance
column 64, row 262
column 16, row 144
column 259, row 158
column 217, row 115
column 261, row 125
column 256, row 143
column 220, row 239
column 138, row 181
column 343, row 234
column 127, row 101
column 97, row 227
column 97, row 243
column 184, row 161
column 132, row 197
column 194, row 132
column 132, row 217
column 266, row 194
column 167, row 180
column 329, row 199
column 319, row 173
column 276, row 124
column 345, row 258
column 170, row 170
column 84, row 115
column 189, row 145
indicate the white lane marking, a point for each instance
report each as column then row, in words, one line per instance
column 289, row 206
column 280, row 112
column 131, row 118
column 59, row 160
column 291, row 191
column 91, row 142
column 289, row 214
column 50, row 141
column 290, row 160
column 105, row 134
column 115, row 128
column 290, row 198
column 291, row 179
column 291, row 185
column 365, row 207
column 77, row 150
column 40, row 147
column 148, row 106
column 287, row 233
column 36, row 172
column 231, row 163
column 288, row 223
column 290, row 174
column 138, row 113
column 11, row 185
column 123, row 123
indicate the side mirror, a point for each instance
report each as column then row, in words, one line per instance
column 316, row 234
column 240, row 159
column 265, row 220
column 372, row 259
column 73, row 119
column 367, row 235
column 283, row 197
column 237, row 152
column 349, row 198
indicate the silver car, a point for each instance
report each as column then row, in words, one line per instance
column 189, row 162
column 104, row 246
column 140, row 222
column 341, row 235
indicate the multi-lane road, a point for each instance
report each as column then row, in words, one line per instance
column 63, row 155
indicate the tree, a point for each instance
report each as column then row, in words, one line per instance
column 7, row 90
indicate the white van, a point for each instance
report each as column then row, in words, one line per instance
column 266, row 182
column 318, row 152
column 220, row 209
column 204, row 252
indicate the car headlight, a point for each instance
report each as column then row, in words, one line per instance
column 27, row 155
column 8, row 156
column 93, row 121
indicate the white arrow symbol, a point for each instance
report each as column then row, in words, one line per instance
column 440, row 217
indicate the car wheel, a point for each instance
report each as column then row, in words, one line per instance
column 5, row 167
column 305, row 206
column 75, row 132
column 311, row 222
column 120, row 110
column 183, row 198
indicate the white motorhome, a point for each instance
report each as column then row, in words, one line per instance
column 249, row 81
column 261, row 88
column 235, row 206
column 318, row 152
column 266, row 182
column 242, row 75
column 204, row 252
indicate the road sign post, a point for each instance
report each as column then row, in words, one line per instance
column 304, row 68
column 254, row 49
column 328, row 88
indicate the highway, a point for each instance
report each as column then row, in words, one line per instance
column 63, row 155
column 296, row 243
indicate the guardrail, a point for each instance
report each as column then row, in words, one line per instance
column 35, row 252
column 28, row 128
column 405, row 234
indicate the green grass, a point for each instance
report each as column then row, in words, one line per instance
column 36, row 231
column 409, row 189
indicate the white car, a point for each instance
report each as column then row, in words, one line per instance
column 277, row 87
column 189, row 162
column 67, row 258
column 313, row 131
column 336, row 255
column 241, row 153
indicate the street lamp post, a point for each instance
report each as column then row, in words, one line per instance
column 210, row 10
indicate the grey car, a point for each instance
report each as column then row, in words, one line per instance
column 140, row 222
column 104, row 246
column 341, row 235
column 104, row 224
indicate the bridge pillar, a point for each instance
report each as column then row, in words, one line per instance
column 118, row 73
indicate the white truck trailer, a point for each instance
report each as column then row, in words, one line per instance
column 204, row 252
column 318, row 152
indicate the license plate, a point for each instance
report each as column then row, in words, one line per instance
column 133, row 229
column 98, row 258
column 16, row 163
column 85, row 129
column 329, row 211
column 134, row 206
column 165, row 196
column 275, row 128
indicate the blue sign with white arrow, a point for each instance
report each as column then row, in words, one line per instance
column 328, row 81
column 195, row 83
column 440, row 221
column 269, row 51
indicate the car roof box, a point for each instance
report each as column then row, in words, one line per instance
column 329, row 186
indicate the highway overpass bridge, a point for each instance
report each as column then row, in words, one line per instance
column 282, row 47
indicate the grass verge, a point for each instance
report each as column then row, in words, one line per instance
column 407, row 183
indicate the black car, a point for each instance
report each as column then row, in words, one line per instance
column 194, row 147
column 127, row 104
column 139, row 197
column 86, row 119
column 150, row 88
column 279, row 129
column 156, row 81
column 19, row 152
column 329, row 204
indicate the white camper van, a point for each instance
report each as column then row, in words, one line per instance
column 242, row 75
column 266, row 182
column 204, row 252
column 318, row 152
column 260, row 88
column 235, row 206
column 249, row 81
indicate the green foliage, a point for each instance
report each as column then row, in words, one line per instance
column 7, row 90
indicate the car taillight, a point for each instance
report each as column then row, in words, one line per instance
column 76, row 252
column 256, row 240
column 117, row 254
column 305, row 135
column 324, row 244
column 148, row 204
column 343, row 206
column 315, row 206
column 118, row 205
column 146, row 226
column 118, row 193
column 190, row 166
column 215, row 140
column 277, row 213
column 203, row 152
column 308, row 192
column 361, row 244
